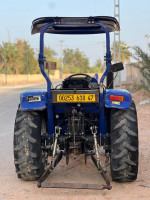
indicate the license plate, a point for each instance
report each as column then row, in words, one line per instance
column 76, row 98
column 33, row 98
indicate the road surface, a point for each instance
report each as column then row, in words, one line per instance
column 13, row 188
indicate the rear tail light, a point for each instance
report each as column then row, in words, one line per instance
column 116, row 98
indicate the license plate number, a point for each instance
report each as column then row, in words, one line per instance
column 76, row 98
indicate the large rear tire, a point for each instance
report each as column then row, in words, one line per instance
column 27, row 145
column 124, row 144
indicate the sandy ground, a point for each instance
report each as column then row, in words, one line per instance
column 76, row 171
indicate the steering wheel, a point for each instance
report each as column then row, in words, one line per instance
column 86, row 75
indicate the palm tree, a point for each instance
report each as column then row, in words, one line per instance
column 124, row 52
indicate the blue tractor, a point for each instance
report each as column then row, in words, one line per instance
column 78, row 116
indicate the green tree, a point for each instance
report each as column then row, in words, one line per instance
column 49, row 53
column 98, row 67
column 75, row 61
column 20, row 58
column 124, row 52
column 29, row 61
column 9, row 49
column 143, row 64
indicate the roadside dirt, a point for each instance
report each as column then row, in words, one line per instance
column 76, row 171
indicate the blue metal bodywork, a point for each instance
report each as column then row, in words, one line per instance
column 118, row 104
column 39, row 105
column 60, row 108
column 52, row 26
column 93, row 108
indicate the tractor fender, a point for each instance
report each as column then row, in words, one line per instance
column 118, row 104
column 33, row 100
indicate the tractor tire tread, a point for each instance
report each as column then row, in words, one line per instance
column 124, row 144
column 27, row 145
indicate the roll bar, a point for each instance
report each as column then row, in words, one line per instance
column 42, row 57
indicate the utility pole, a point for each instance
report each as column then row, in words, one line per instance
column 27, row 64
column 61, row 59
column 117, row 41
column 5, row 67
column 147, row 40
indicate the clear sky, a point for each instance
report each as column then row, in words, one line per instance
column 16, row 17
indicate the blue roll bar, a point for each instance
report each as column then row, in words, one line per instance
column 42, row 58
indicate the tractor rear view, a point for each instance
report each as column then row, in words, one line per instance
column 78, row 116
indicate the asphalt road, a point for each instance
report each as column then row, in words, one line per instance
column 9, row 100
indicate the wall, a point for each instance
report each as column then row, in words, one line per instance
column 32, row 78
column 23, row 78
column 132, row 74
